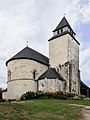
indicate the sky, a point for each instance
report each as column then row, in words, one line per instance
column 34, row 21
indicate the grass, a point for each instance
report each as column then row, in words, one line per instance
column 79, row 102
column 49, row 109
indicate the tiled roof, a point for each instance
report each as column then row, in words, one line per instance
column 62, row 24
column 28, row 53
column 51, row 73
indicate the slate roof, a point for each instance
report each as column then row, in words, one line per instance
column 51, row 73
column 62, row 24
column 28, row 53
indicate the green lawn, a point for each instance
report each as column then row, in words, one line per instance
column 48, row 109
column 79, row 102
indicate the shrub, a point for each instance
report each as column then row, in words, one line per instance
column 39, row 94
column 28, row 95
column 70, row 94
column 42, row 95
column 2, row 100
column 11, row 100
column 60, row 95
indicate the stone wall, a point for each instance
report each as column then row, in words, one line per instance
column 18, row 87
column 50, row 85
column 74, row 63
column 20, row 77
column 64, row 56
column 4, row 95
column 23, row 68
column 58, row 51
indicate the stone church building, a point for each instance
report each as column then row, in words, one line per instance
column 29, row 70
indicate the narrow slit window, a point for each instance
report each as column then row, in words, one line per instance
column 9, row 75
column 61, row 30
column 34, row 74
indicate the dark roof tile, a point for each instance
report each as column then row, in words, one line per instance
column 28, row 53
column 62, row 24
column 51, row 73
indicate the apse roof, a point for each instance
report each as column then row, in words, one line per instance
column 51, row 73
column 28, row 53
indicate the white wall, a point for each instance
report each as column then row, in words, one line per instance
column 62, row 50
column 22, row 77
column 58, row 51
column 50, row 85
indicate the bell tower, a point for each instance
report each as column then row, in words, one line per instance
column 64, row 55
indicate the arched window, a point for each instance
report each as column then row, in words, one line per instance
column 34, row 74
column 9, row 75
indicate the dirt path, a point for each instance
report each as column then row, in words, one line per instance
column 85, row 113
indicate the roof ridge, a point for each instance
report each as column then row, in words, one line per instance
column 32, row 50
column 63, row 23
column 29, row 53
column 38, row 52
column 51, row 73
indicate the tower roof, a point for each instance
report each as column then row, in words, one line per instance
column 28, row 53
column 51, row 73
column 62, row 23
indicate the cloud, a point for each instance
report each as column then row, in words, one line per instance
column 78, row 12
column 86, row 54
column 84, row 65
column 85, row 10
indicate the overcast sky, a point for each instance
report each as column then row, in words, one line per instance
column 34, row 21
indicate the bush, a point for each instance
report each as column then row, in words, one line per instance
column 2, row 100
column 11, row 100
column 49, row 95
column 28, row 95
column 59, row 95
column 42, row 95
column 70, row 95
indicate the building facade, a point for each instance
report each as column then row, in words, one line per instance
column 29, row 70
column 64, row 55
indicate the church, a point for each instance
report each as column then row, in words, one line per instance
column 29, row 70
